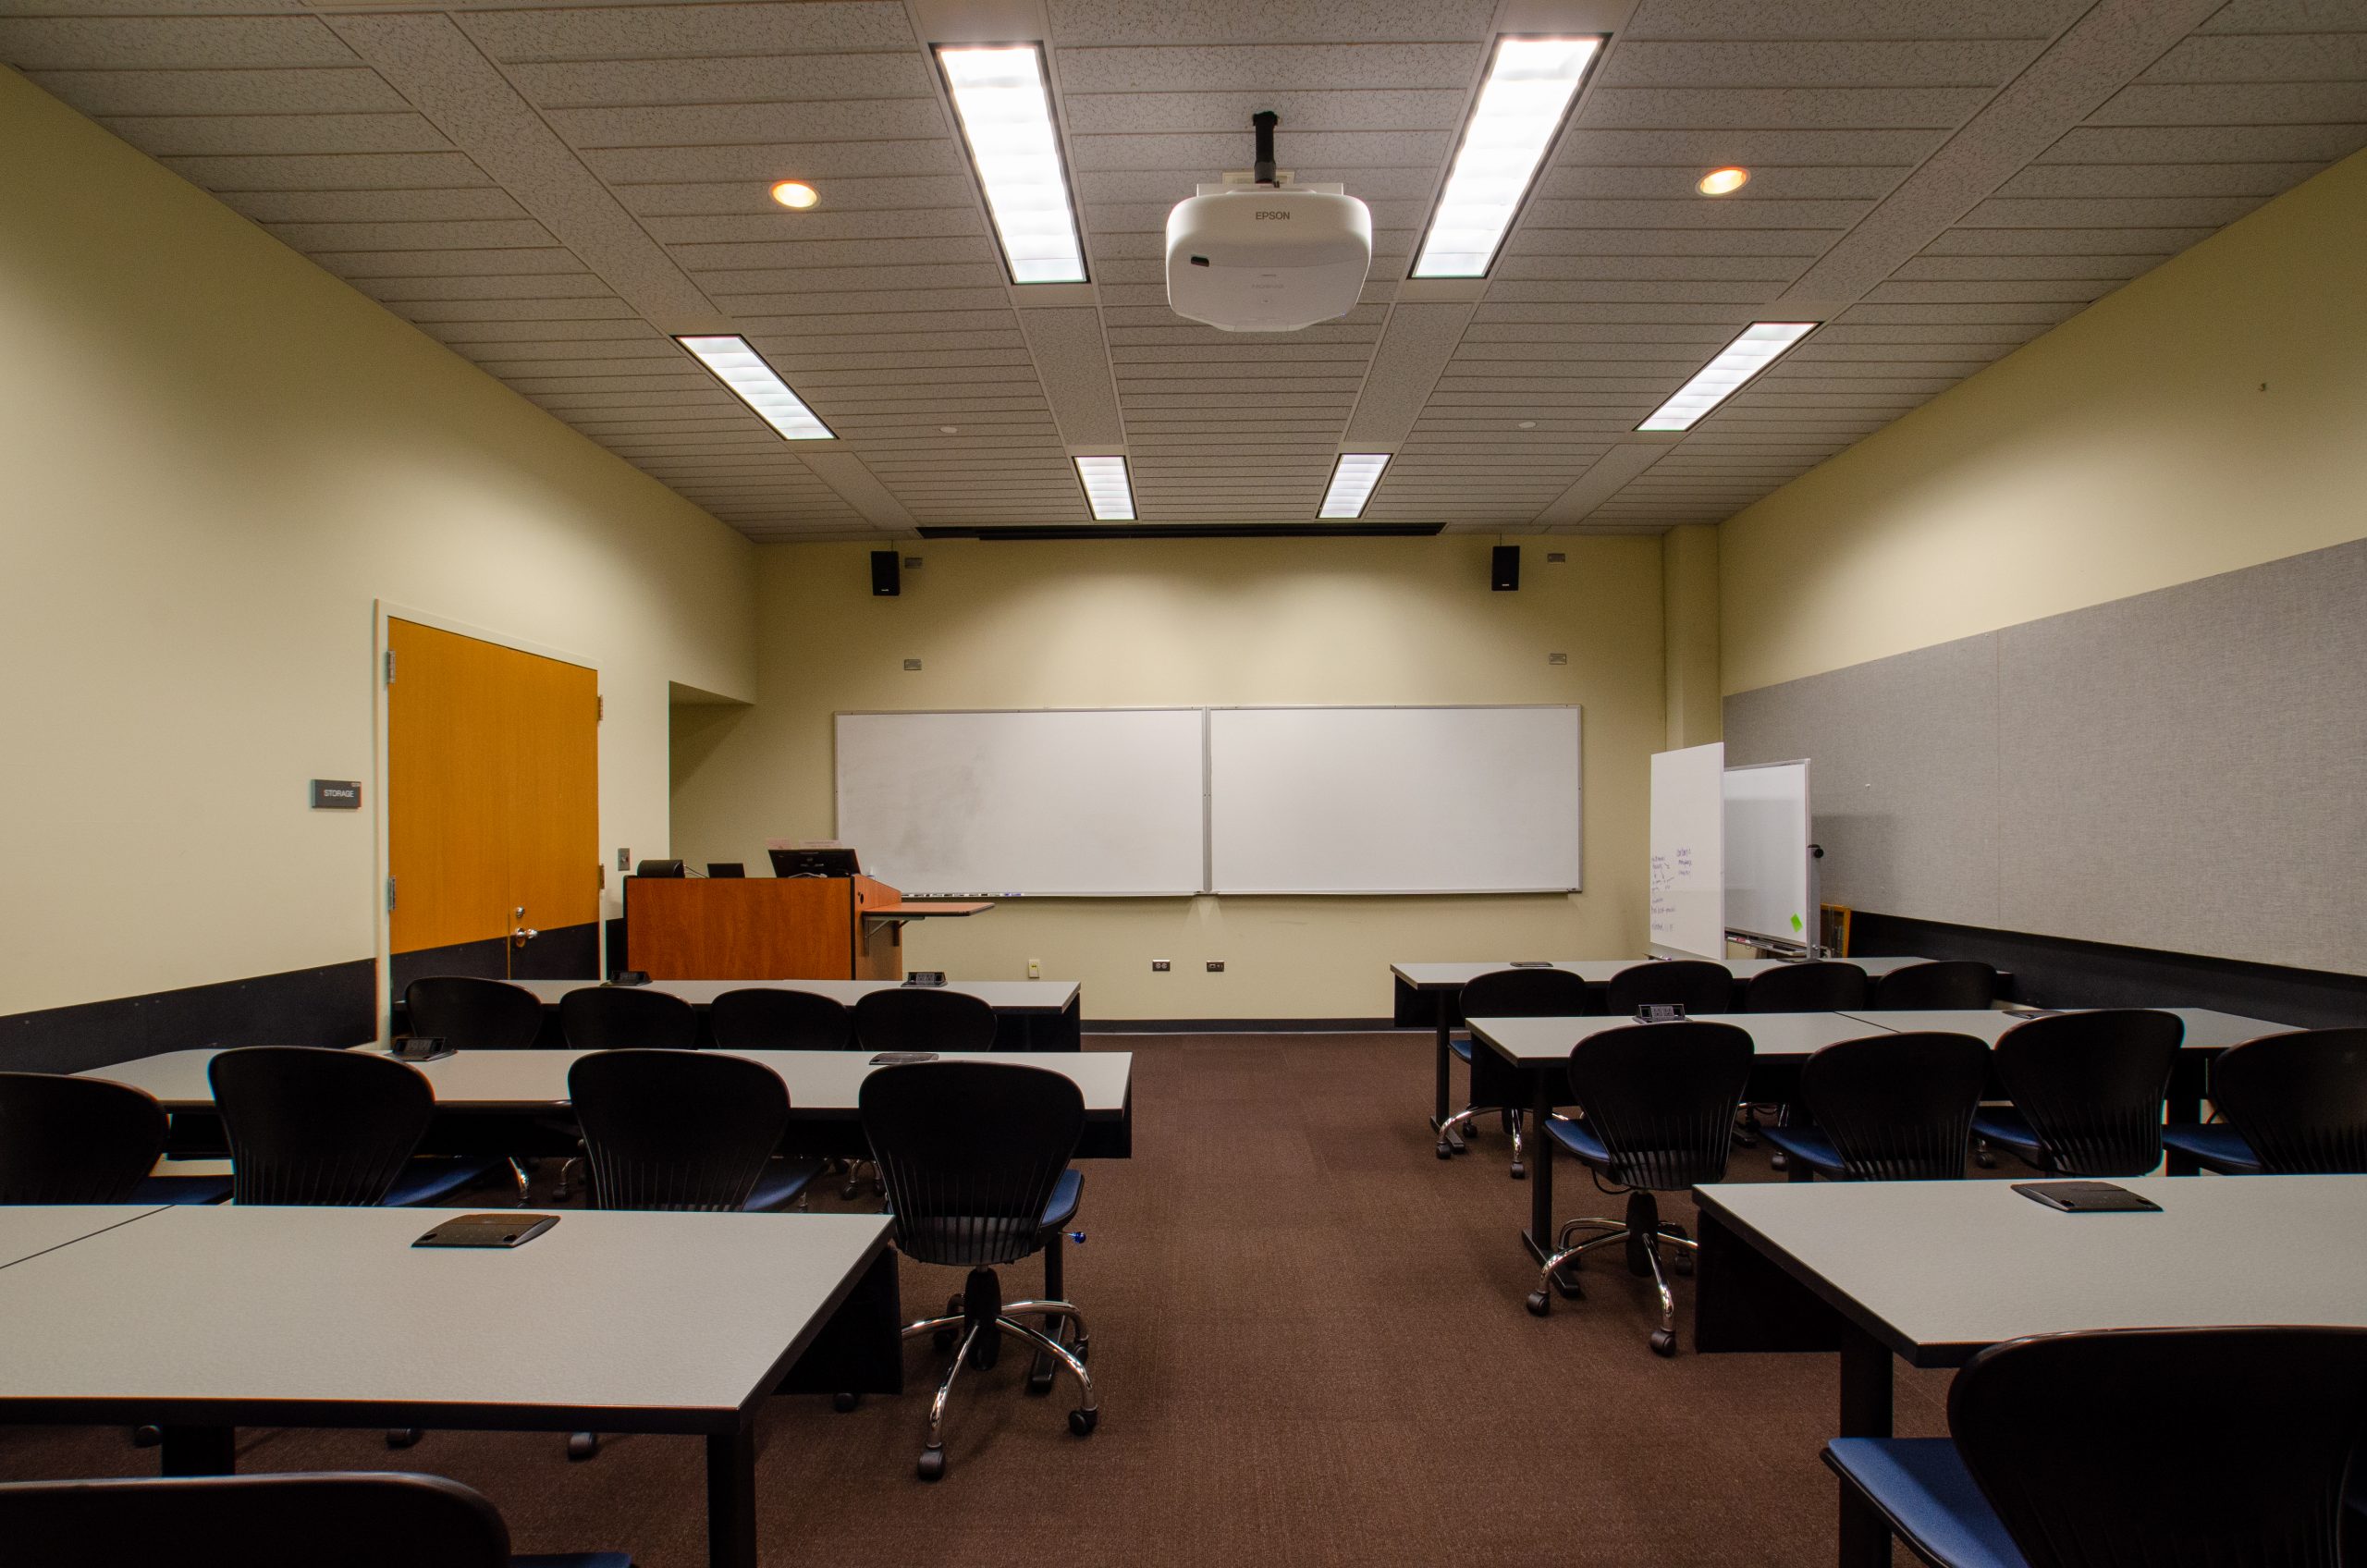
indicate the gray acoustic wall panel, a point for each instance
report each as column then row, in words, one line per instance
column 2184, row 770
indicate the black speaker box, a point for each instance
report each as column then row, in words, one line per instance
column 1504, row 568
column 885, row 579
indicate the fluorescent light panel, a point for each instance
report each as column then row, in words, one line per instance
column 1352, row 479
column 1529, row 86
column 755, row 382
column 1106, row 489
column 1759, row 345
column 1006, row 113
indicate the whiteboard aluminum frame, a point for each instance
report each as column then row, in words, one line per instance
column 838, row 804
column 1813, row 946
column 1209, row 797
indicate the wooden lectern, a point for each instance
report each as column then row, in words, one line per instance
column 771, row 927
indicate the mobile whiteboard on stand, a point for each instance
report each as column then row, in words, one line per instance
column 1771, row 862
column 1688, row 840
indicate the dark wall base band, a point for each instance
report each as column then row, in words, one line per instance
column 328, row 1006
column 2059, row 971
column 571, row 952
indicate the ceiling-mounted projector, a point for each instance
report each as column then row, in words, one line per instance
column 1267, row 255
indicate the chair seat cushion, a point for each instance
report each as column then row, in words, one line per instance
column 2008, row 1128
column 1066, row 1192
column 1460, row 1045
column 1808, row 1145
column 783, row 1180
column 181, row 1189
column 427, row 1180
column 1929, row 1498
column 1580, row 1140
column 2214, row 1145
column 574, row 1559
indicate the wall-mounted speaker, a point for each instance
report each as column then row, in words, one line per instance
column 885, row 582
column 1504, row 568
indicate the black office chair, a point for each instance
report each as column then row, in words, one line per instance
column 2294, row 1103
column 1893, row 1107
column 607, row 1017
column 354, row 1521
column 472, row 1014
column 1695, row 984
column 1950, row 985
column 315, row 1127
column 2205, row 1448
column 75, row 1140
column 1659, row 1105
column 1821, row 986
column 762, row 1018
column 1496, row 1084
column 976, row 1156
column 924, row 1018
column 2087, row 1091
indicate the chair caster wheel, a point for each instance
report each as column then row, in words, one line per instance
column 1779, row 1161
column 1520, row 1173
column 1681, row 1265
column 401, row 1437
column 147, row 1437
column 1039, row 1382
column 1663, row 1343
column 932, row 1464
column 1984, row 1160
column 844, row 1403
column 1539, row 1303
column 1446, row 1150
column 1083, row 1422
column 582, row 1445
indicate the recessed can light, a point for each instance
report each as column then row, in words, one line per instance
column 949, row 430
column 795, row 194
column 1722, row 182
column 1528, row 425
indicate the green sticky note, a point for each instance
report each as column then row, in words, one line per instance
column 1796, row 924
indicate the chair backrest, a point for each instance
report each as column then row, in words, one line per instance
column 354, row 1521
column 924, row 1018
column 317, row 1127
column 1696, row 985
column 1661, row 1097
column 607, row 1017
column 2299, row 1100
column 1823, row 986
column 1518, row 993
column 470, row 1014
column 970, row 1151
column 760, row 1018
column 1953, row 985
column 2198, row 1447
column 2091, row 1083
column 75, row 1140
column 1899, row 1107
column 675, row 1130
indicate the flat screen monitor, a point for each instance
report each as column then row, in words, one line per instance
column 814, row 863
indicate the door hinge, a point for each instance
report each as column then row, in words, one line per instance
column 391, row 667
column 601, row 870
column 390, row 895
column 599, row 709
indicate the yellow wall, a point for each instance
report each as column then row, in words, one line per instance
column 215, row 458
column 1216, row 621
column 2210, row 415
column 1690, row 621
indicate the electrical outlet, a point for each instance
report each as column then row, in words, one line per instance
column 1215, row 966
column 1034, row 969
column 1557, row 658
column 911, row 664
column 912, row 563
column 1159, row 967
column 624, row 860
column 1552, row 558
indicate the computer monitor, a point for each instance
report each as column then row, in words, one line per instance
column 725, row 868
column 814, row 863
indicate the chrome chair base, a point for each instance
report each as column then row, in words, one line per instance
column 1645, row 1234
column 980, row 1330
column 1453, row 1129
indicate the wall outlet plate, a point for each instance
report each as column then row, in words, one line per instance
column 624, row 860
column 1160, row 966
column 1034, row 969
column 1557, row 658
column 911, row 664
column 1552, row 558
column 1215, row 966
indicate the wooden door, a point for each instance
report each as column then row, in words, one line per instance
column 493, row 809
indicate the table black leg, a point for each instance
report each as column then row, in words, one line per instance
column 731, row 1499
column 1865, row 1412
column 200, row 1451
column 2182, row 1106
column 1439, row 1112
column 1539, row 1236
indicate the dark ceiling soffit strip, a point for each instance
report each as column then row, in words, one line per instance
column 1195, row 531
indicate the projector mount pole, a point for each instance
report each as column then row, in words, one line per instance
column 1262, row 172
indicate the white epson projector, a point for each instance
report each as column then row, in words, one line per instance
column 1266, row 256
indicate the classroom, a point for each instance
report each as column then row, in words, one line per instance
column 1607, row 748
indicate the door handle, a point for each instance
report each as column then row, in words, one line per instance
column 523, row 935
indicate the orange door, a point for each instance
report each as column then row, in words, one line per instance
column 493, row 807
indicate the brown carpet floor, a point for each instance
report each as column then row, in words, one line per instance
column 1309, row 1347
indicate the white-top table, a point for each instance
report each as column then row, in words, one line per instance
column 29, row 1230
column 1932, row 1271
column 823, row 1086
column 2205, row 1030
column 206, row 1318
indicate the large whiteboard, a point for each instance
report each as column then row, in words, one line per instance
column 1090, row 803
column 1770, row 892
column 1394, row 799
column 1688, row 840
